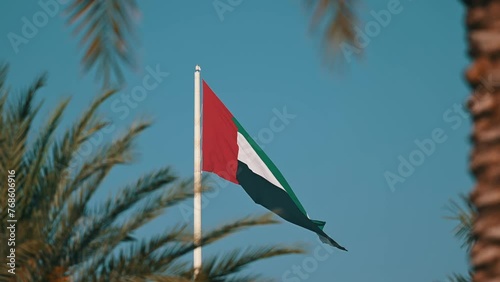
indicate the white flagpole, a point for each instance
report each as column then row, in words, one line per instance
column 197, row 173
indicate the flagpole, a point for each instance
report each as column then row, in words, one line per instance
column 197, row 173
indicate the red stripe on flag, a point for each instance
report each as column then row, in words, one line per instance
column 219, row 137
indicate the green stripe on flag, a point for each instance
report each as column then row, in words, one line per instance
column 319, row 223
column 272, row 168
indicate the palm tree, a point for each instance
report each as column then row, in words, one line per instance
column 463, row 214
column 61, row 236
column 483, row 75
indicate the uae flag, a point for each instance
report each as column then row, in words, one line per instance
column 230, row 152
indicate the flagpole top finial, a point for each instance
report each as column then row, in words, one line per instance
column 197, row 68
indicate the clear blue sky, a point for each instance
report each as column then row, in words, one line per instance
column 349, row 130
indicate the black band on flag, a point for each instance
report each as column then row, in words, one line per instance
column 278, row 201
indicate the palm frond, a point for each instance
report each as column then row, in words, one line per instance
column 16, row 124
column 106, row 29
column 35, row 157
column 105, row 158
column 117, row 232
column 337, row 18
column 4, row 69
column 172, row 253
column 463, row 213
column 458, row 278
column 223, row 268
column 153, row 277
column 134, row 260
column 54, row 171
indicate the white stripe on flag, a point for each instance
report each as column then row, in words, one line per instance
column 247, row 155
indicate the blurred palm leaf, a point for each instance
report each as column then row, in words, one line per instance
column 459, row 278
column 338, row 19
column 463, row 213
column 226, row 268
column 61, row 236
column 106, row 29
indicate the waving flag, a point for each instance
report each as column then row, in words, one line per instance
column 230, row 152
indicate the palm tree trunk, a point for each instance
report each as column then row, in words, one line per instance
column 483, row 75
